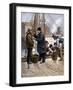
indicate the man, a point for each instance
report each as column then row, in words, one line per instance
column 58, row 47
column 40, row 44
column 29, row 46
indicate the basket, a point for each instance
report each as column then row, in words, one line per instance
column 35, row 58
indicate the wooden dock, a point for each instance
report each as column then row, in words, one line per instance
column 49, row 68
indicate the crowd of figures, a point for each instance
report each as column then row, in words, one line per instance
column 44, row 49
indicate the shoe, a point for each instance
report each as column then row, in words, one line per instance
column 30, row 62
column 39, row 60
column 42, row 62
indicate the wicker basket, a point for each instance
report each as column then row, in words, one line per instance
column 54, row 56
column 35, row 58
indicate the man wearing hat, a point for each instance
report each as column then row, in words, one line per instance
column 39, row 36
column 29, row 45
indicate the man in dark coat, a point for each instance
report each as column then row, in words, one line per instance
column 29, row 45
column 40, row 44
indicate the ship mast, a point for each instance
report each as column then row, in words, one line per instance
column 39, row 21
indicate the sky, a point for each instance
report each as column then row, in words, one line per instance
column 53, row 20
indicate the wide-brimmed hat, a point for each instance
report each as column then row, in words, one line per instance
column 39, row 28
column 28, row 30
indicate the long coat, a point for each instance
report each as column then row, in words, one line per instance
column 29, row 41
column 40, row 43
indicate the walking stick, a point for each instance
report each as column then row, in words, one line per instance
column 28, row 66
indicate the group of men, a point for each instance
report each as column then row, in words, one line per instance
column 39, row 37
column 42, row 45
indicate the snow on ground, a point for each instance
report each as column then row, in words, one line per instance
column 49, row 68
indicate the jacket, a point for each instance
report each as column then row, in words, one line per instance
column 29, row 41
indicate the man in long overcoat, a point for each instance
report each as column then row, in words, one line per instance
column 40, row 44
column 29, row 45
